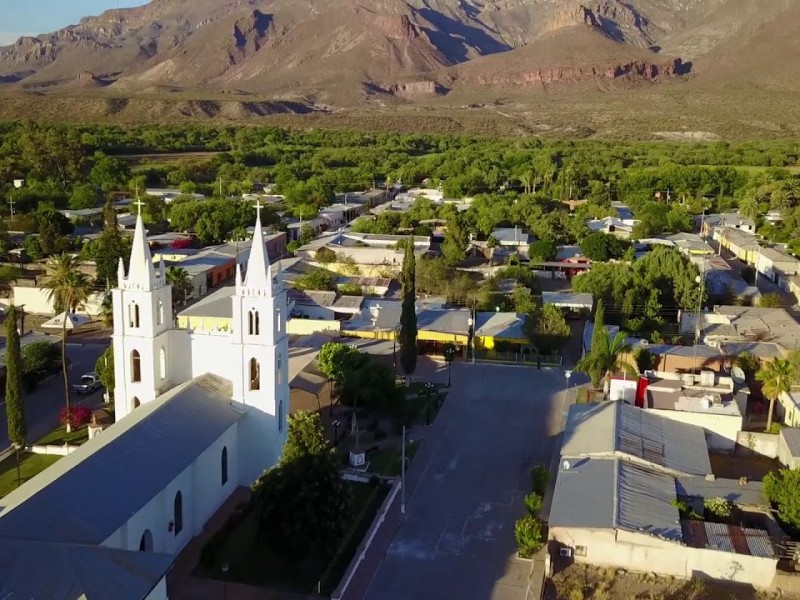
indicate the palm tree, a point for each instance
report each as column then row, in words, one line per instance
column 67, row 288
column 608, row 358
column 779, row 200
column 750, row 205
column 181, row 283
column 776, row 379
column 526, row 179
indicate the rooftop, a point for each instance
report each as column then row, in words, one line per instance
column 609, row 493
column 791, row 435
column 747, row 323
column 615, row 428
column 568, row 299
column 512, row 236
column 727, row 538
column 733, row 490
column 742, row 239
column 156, row 442
column 500, row 325
column 216, row 305
column 454, row 320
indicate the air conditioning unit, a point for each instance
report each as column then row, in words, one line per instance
column 688, row 379
column 565, row 552
column 707, row 378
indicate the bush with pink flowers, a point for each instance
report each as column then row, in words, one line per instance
column 76, row 416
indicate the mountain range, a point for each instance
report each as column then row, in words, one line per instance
column 338, row 55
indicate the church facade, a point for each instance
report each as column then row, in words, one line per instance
column 197, row 413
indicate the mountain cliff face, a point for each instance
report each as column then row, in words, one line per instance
column 341, row 52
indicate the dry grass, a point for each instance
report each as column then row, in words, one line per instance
column 585, row 582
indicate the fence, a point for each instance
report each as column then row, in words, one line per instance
column 519, row 358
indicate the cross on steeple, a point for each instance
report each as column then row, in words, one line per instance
column 258, row 208
column 140, row 204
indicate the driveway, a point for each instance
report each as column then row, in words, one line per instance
column 466, row 487
column 43, row 405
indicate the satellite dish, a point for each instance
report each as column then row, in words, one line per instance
column 565, row 465
column 737, row 374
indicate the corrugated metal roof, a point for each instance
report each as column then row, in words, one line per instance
column 500, row 325
column 444, row 321
column 727, row 538
column 791, row 435
column 750, row 494
column 644, row 501
column 611, row 427
column 89, row 494
column 606, row 493
column 218, row 305
column 68, row 571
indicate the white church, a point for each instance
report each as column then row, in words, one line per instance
column 197, row 414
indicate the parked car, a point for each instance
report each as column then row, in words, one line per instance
column 89, row 384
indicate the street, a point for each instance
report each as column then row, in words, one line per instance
column 43, row 405
column 465, row 490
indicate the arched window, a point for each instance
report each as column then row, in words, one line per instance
column 280, row 415
column 146, row 543
column 177, row 517
column 136, row 367
column 224, row 466
column 278, row 324
column 255, row 375
column 133, row 314
column 253, row 322
column 160, row 313
column 135, row 402
column 162, row 363
column 279, row 370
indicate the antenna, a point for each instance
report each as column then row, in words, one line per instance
column 737, row 374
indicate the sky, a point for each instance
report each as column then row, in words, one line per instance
column 32, row 17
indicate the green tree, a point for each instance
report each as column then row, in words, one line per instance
column 105, row 369
column 317, row 280
column 408, row 315
column 109, row 173
column 782, row 488
column 84, row 196
column 302, row 504
column 456, row 241
column 776, row 379
column 529, row 535
column 547, row 329
column 599, row 333
column 15, row 406
column 601, row 247
column 181, row 283
column 67, row 288
column 336, row 359
column 608, row 359
column 542, row 251
column 109, row 248
column 645, row 360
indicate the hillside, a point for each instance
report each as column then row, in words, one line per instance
column 235, row 59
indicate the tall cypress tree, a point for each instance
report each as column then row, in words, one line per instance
column 408, row 316
column 15, row 408
column 598, row 338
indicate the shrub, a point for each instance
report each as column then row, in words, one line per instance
column 540, row 475
column 529, row 534
column 181, row 243
column 533, row 502
column 76, row 416
column 40, row 359
column 719, row 508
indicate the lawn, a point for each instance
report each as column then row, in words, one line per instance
column 386, row 461
column 30, row 465
column 59, row 437
column 257, row 563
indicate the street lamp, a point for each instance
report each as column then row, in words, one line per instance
column 568, row 374
column 449, row 356
column 225, row 568
column 471, row 324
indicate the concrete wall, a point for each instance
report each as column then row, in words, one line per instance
column 721, row 430
column 52, row 450
column 765, row 444
column 785, row 456
column 309, row 326
column 644, row 553
column 314, row 311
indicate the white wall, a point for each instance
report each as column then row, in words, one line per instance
column 765, row 444
column 785, row 456
column 37, row 302
column 314, row 311
column 159, row 592
column 201, row 492
column 638, row 552
column 721, row 430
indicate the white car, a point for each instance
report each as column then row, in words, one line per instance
column 89, row 384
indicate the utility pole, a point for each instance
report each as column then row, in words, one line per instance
column 403, row 474
column 11, row 204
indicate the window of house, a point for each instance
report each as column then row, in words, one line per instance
column 146, row 543
column 280, row 415
column 224, row 466
column 136, row 367
column 253, row 322
column 160, row 313
column 135, row 402
column 133, row 314
column 255, row 375
column 279, row 370
column 278, row 324
column 177, row 517
column 162, row 363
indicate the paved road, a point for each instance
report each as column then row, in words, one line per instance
column 43, row 406
column 465, row 491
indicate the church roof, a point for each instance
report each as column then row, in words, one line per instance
column 141, row 271
column 216, row 305
column 89, row 494
column 259, row 274
column 70, row 571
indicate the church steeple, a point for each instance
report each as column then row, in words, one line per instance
column 141, row 272
column 258, row 278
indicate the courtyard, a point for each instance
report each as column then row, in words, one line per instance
column 466, row 486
